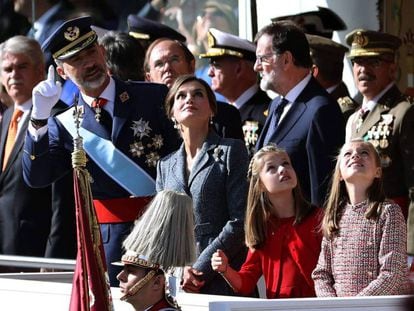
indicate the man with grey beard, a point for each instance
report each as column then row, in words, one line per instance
column 304, row 120
column 124, row 128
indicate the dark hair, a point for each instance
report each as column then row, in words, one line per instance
column 189, row 57
column 287, row 36
column 330, row 69
column 124, row 56
column 170, row 98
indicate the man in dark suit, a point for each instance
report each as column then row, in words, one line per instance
column 166, row 59
column 124, row 128
column 30, row 224
column 305, row 120
column 386, row 117
column 328, row 64
column 232, row 75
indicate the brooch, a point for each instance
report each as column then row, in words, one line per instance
column 218, row 152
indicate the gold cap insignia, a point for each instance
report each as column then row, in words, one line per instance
column 211, row 40
column 360, row 40
column 71, row 33
column 124, row 97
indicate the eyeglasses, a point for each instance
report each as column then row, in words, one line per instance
column 265, row 58
column 369, row 61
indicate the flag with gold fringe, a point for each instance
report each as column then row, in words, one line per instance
column 90, row 286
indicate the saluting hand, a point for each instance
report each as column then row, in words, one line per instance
column 45, row 95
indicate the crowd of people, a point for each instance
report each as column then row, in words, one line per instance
column 310, row 189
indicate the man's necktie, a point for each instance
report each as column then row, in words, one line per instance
column 11, row 135
column 97, row 105
column 275, row 118
column 362, row 114
column 101, row 115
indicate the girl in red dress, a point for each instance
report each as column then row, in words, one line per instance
column 281, row 231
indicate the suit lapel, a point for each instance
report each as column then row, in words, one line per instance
column 89, row 122
column 178, row 168
column 272, row 107
column 4, row 129
column 203, row 157
column 122, row 109
column 372, row 118
column 290, row 119
column 18, row 145
column 384, row 104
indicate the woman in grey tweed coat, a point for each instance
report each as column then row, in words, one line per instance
column 212, row 170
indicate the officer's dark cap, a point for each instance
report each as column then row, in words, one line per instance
column 326, row 48
column 70, row 38
column 147, row 29
column 369, row 43
column 321, row 23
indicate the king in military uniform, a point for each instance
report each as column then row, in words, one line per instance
column 386, row 117
column 124, row 128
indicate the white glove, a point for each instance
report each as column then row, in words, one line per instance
column 45, row 95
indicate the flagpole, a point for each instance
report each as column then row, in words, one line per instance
column 90, row 286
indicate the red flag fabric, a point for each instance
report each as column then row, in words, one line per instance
column 90, row 286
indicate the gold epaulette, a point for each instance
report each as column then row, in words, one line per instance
column 346, row 103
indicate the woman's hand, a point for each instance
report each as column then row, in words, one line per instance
column 191, row 282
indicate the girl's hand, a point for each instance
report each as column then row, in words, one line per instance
column 219, row 261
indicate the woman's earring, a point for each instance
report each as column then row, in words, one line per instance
column 176, row 126
column 211, row 120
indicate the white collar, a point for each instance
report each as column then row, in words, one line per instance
column 369, row 105
column 247, row 94
column 297, row 89
column 108, row 93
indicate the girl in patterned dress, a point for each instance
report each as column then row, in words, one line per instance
column 364, row 244
column 281, row 231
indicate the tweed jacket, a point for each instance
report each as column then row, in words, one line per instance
column 390, row 127
column 218, row 187
column 367, row 257
column 311, row 132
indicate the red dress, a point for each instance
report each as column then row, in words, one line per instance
column 286, row 260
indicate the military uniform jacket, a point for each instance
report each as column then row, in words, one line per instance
column 253, row 114
column 346, row 103
column 140, row 130
column 218, row 186
column 390, row 127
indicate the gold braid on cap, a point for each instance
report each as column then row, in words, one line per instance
column 221, row 52
column 138, row 35
column 89, row 36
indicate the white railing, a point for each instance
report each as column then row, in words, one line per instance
column 51, row 291
column 37, row 262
